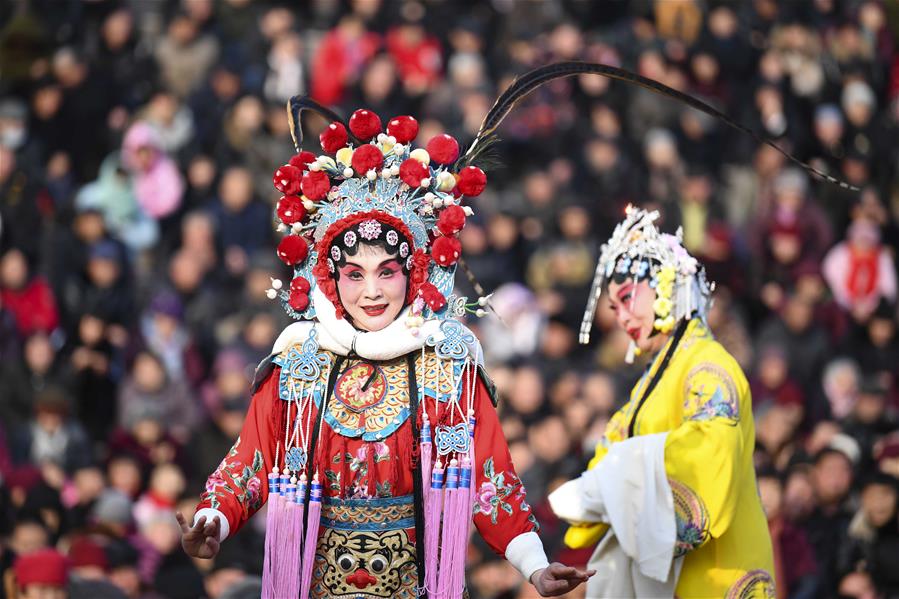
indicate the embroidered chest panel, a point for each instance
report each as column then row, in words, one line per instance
column 370, row 399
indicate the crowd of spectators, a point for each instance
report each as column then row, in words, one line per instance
column 137, row 142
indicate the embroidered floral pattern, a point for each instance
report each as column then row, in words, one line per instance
column 755, row 584
column 691, row 518
column 709, row 393
column 496, row 494
column 235, row 478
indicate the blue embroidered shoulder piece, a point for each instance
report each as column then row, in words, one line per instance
column 304, row 364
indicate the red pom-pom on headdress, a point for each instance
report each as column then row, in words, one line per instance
column 298, row 300
column 403, row 128
column 302, row 160
column 292, row 250
column 300, row 285
column 432, row 297
column 315, row 185
column 365, row 124
column 287, row 179
column 412, row 172
column 446, row 251
column 472, row 181
column 443, row 149
column 291, row 210
column 366, row 158
column 451, row 220
column 333, row 137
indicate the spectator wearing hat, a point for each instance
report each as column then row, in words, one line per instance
column 157, row 182
column 149, row 394
column 243, row 222
column 93, row 368
column 886, row 454
column 41, row 575
column 827, row 526
column 113, row 195
column 123, row 571
column 164, row 334
column 24, row 376
column 21, row 212
column 874, row 533
column 871, row 418
column 794, row 559
column 108, row 288
column 225, row 400
column 792, row 231
column 53, row 436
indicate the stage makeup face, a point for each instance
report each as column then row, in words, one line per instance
column 632, row 304
column 372, row 288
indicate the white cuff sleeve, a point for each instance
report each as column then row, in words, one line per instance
column 568, row 503
column 210, row 513
column 526, row 553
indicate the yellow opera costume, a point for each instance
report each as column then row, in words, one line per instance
column 702, row 400
column 671, row 496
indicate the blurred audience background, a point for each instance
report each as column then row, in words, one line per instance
column 137, row 142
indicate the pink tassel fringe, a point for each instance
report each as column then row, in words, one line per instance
column 273, row 511
column 312, row 524
column 434, row 503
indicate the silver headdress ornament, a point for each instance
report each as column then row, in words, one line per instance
column 637, row 249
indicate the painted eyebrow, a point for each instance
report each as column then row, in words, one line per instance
column 625, row 290
column 381, row 265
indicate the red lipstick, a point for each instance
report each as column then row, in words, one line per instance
column 375, row 310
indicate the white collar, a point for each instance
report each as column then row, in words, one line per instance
column 339, row 336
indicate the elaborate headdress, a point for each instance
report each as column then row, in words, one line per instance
column 639, row 251
column 376, row 189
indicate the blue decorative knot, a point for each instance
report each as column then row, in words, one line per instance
column 451, row 439
column 455, row 342
column 295, row 459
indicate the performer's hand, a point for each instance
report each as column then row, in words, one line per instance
column 558, row 579
column 201, row 540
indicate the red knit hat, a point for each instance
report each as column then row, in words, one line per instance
column 47, row 567
column 86, row 552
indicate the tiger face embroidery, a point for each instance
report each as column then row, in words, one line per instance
column 356, row 564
